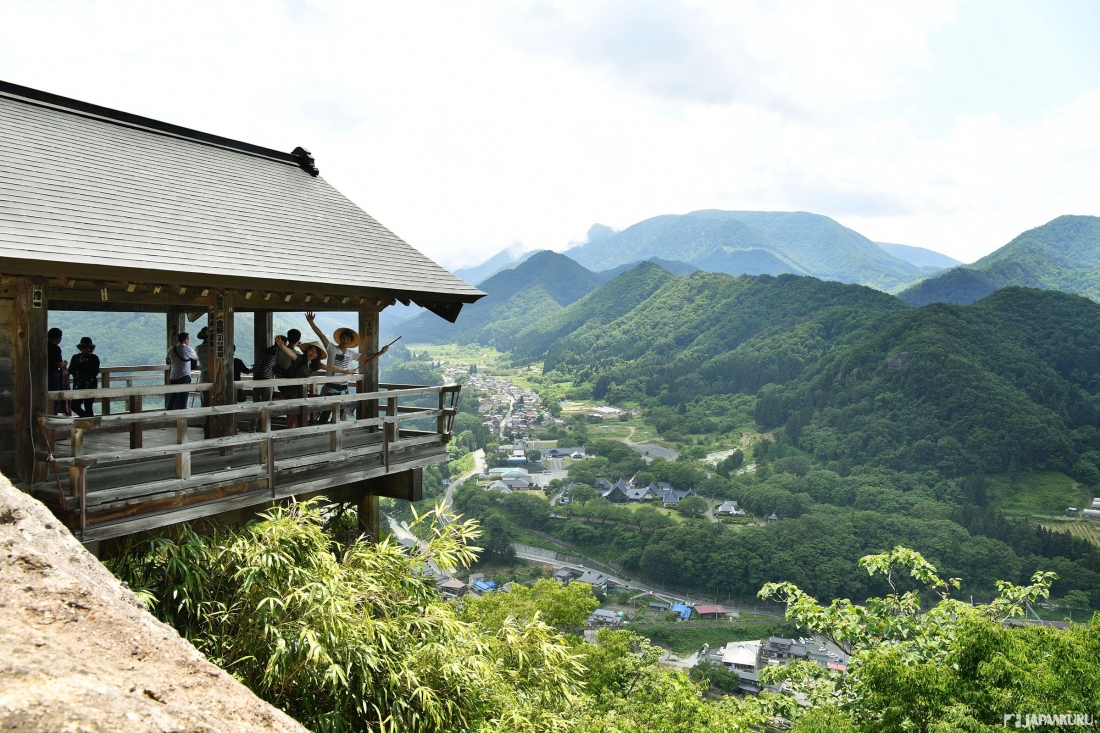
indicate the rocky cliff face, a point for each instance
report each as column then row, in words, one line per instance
column 79, row 652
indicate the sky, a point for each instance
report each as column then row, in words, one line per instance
column 471, row 127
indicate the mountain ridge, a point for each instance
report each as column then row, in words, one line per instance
column 754, row 242
column 1063, row 254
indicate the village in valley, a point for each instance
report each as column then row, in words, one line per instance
column 525, row 462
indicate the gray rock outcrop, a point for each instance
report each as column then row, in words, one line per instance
column 79, row 651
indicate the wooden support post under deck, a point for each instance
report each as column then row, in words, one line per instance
column 368, row 344
column 368, row 517
column 29, row 373
column 135, row 428
column 336, row 437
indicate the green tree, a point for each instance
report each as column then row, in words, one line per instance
column 951, row 666
column 355, row 640
column 563, row 606
column 692, row 506
column 583, row 494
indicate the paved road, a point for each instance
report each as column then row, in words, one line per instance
column 507, row 417
column 479, row 468
column 650, row 451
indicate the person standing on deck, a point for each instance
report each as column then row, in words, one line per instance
column 340, row 356
column 181, row 357
column 55, row 362
column 203, row 350
column 84, row 367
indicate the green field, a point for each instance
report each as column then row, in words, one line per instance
column 459, row 354
column 1037, row 493
column 675, row 515
column 1081, row 528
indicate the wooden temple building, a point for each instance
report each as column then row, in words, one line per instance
column 101, row 210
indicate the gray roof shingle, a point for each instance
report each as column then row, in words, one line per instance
column 105, row 194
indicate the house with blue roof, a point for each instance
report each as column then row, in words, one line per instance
column 684, row 612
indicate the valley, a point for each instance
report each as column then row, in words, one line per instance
column 856, row 420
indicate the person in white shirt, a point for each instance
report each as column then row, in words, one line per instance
column 341, row 354
column 181, row 357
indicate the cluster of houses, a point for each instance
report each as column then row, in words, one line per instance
column 685, row 612
column 623, row 491
column 477, row 584
column 748, row 658
column 508, row 406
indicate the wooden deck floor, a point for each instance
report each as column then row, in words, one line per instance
column 146, row 494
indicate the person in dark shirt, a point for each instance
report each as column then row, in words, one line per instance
column 238, row 369
column 55, row 364
column 84, row 367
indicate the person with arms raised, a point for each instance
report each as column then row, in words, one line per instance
column 340, row 357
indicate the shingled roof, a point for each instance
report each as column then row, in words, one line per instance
column 113, row 195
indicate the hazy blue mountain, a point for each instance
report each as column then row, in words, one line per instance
column 1063, row 254
column 919, row 256
column 676, row 268
column 517, row 297
column 753, row 242
column 502, row 260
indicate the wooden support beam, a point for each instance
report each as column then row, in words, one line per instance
column 263, row 333
column 368, row 344
column 66, row 282
column 178, row 289
column 219, row 360
column 368, row 517
column 183, row 459
column 29, row 371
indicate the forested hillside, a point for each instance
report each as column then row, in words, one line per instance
column 517, row 297
column 1010, row 382
column 713, row 334
column 1063, row 254
column 754, row 243
column 603, row 305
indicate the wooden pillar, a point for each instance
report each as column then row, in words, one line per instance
column 29, row 371
column 220, row 360
column 368, row 517
column 368, row 344
column 177, row 324
column 263, row 333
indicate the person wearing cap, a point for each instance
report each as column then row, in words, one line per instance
column 203, row 350
column 84, row 368
column 341, row 355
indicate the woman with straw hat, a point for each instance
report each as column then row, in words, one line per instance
column 302, row 366
column 341, row 355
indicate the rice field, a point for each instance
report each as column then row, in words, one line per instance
column 1083, row 529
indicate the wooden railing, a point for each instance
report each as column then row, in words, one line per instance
column 391, row 415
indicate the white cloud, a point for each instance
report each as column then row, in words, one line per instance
column 466, row 128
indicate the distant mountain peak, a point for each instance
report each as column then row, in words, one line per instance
column 755, row 243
